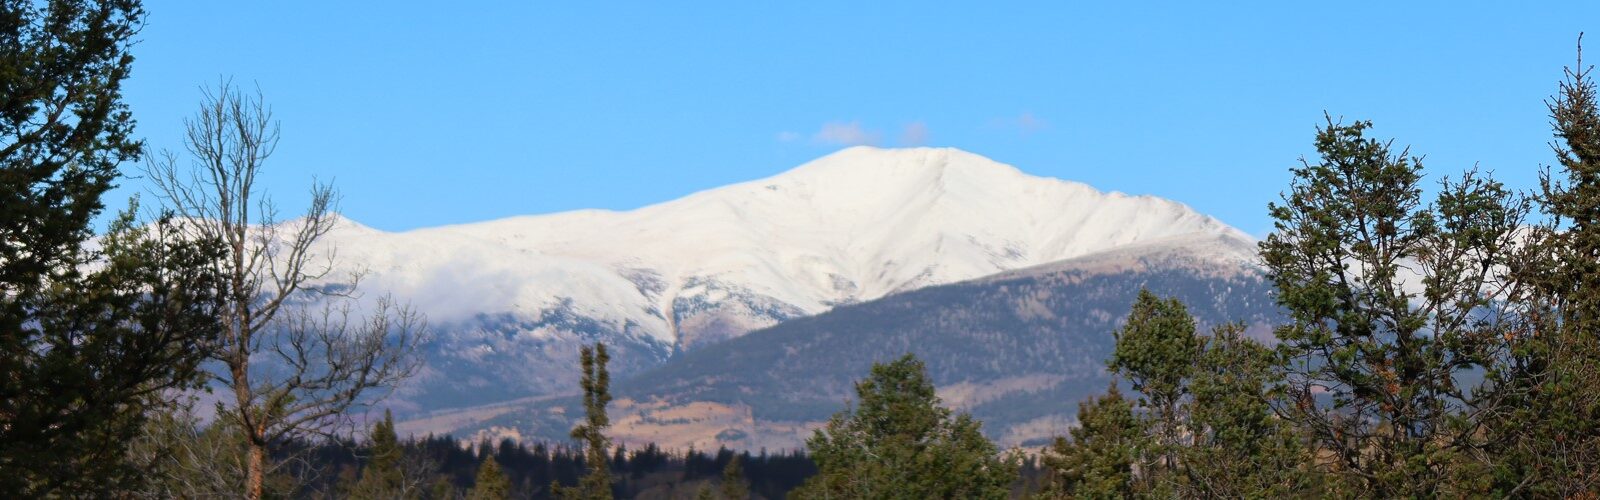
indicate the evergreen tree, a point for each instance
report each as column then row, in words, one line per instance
column 596, row 383
column 619, row 458
column 733, row 485
column 442, row 489
column 1240, row 448
column 1155, row 350
column 63, row 129
column 491, row 483
column 1547, row 440
column 899, row 443
column 92, row 337
column 1393, row 302
column 382, row 477
column 1098, row 461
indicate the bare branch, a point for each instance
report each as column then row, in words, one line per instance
column 297, row 359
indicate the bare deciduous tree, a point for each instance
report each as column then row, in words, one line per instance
column 298, row 353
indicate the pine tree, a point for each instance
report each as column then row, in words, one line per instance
column 1155, row 350
column 899, row 443
column 1098, row 461
column 491, row 483
column 93, row 338
column 382, row 477
column 1392, row 303
column 1240, row 448
column 733, row 485
column 596, row 384
column 442, row 489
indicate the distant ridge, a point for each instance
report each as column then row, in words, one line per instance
column 1018, row 350
column 510, row 299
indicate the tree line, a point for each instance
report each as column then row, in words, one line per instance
column 1436, row 345
column 440, row 467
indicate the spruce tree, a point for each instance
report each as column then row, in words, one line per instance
column 899, row 443
column 596, row 384
column 1547, row 440
column 733, row 485
column 382, row 476
column 1098, row 460
column 442, row 489
column 491, row 482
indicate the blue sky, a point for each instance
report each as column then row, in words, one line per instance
column 426, row 115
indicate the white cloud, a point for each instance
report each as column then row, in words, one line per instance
column 845, row 134
column 787, row 136
column 915, row 134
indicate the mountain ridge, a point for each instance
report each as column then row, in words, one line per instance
column 513, row 295
column 1017, row 349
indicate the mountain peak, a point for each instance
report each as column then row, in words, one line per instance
column 848, row 241
column 897, row 165
column 852, row 226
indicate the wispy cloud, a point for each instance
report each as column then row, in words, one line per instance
column 915, row 134
column 852, row 133
column 845, row 134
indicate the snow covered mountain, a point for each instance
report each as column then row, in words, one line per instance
column 511, row 299
column 1018, row 350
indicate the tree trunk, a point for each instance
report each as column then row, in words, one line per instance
column 256, row 467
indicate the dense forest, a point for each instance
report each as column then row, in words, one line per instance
column 1438, row 341
column 530, row 471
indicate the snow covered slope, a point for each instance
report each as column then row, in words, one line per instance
column 510, row 299
column 1018, row 350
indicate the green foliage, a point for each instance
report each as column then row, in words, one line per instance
column 1207, row 428
column 1392, row 305
column 382, row 477
column 63, row 130
column 492, row 483
column 1240, row 448
column 596, row 385
column 733, row 485
column 1155, row 350
column 1574, row 199
column 104, row 349
column 1098, row 460
column 1548, row 436
column 442, row 489
column 899, row 443
column 91, row 336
